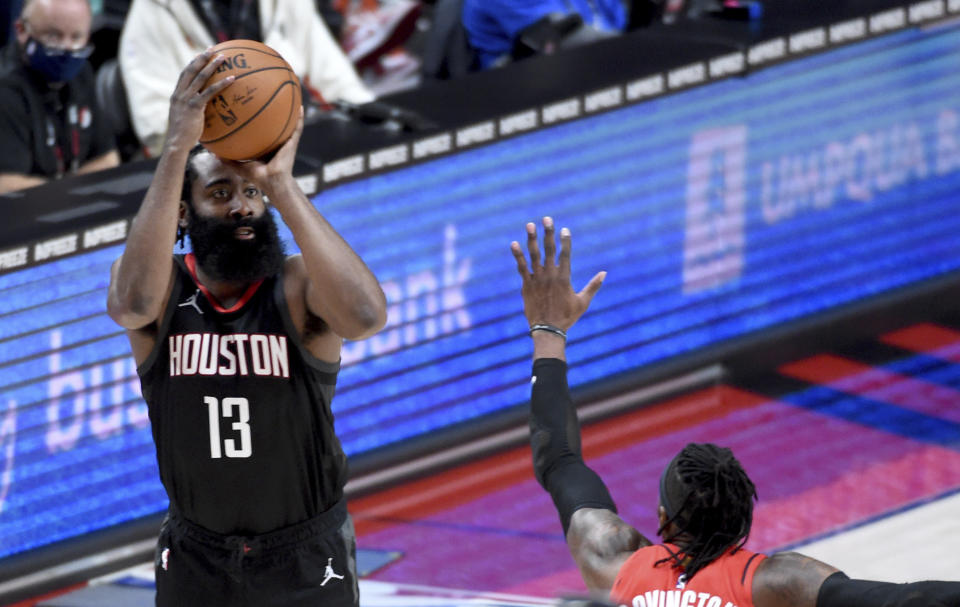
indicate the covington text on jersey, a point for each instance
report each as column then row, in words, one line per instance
column 236, row 354
column 677, row 598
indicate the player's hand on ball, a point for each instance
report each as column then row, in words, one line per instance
column 185, row 123
column 548, row 296
column 282, row 162
column 278, row 167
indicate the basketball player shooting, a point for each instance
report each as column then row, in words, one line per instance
column 706, row 498
column 238, row 349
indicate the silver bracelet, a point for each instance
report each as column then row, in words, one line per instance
column 551, row 329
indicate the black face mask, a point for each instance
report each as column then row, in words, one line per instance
column 224, row 257
column 55, row 64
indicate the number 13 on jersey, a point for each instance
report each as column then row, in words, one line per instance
column 235, row 408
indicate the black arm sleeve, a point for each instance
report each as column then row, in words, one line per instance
column 555, row 441
column 838, row 590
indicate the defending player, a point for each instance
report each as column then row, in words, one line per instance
column 706, row 498
column 238, row 350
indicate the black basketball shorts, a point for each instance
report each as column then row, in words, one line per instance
column 309, row 564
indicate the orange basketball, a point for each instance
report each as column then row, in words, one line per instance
column 257, row 113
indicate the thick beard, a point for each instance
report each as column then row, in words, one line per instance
column 223, row 257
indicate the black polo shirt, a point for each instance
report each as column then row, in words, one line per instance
column 45, row 131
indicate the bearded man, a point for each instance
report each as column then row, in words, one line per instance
column 238, row 350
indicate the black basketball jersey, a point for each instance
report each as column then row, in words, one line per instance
column 240, row 411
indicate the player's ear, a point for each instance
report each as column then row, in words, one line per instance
column 183, row 215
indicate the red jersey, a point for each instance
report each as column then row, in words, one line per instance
column 726, row 582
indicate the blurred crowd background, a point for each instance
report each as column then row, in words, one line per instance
column 85, row 84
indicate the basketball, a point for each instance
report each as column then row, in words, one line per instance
column 258, row 112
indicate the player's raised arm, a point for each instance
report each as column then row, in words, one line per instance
column 141, row 277
column 599, row 540
column 337, row 285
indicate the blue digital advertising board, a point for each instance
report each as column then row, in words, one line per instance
column 718, row 212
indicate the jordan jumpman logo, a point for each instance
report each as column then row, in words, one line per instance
column 328, row 574
column 192, row 301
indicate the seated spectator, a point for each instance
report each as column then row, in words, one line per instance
column 50, row 125
column 493, row 26
column 159, row 38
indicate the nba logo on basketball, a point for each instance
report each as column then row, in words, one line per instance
column 716, row 208
column 224, row 111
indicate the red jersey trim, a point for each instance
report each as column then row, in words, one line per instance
column 191, row 263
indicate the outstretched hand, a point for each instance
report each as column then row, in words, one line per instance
column 548, row 296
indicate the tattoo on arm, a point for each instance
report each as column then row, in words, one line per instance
column 600, row 542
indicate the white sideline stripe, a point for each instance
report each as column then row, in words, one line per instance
column 922, row 543
column 89, row 563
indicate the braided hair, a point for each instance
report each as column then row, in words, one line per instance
column 708, row 496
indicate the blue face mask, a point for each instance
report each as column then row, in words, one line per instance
column 55, row 64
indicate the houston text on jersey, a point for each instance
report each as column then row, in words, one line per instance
column 228, row 355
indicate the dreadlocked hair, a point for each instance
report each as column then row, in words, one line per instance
column 186, row 193
column 709, row 498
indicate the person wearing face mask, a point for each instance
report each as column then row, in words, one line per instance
column 49, row 125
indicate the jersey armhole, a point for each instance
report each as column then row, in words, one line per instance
column 749, row 570
column 280, row 299
column 164, row 323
